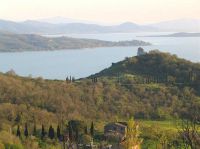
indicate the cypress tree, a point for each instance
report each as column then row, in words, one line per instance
column 18, row 131
column 86, row 131
column 58, row 132
column 43, row 133
column 67, row 79
column 26, row 130
column 70, row 132
column 51, row 132
column 70, row 79
column 34, row 130
column 18, row 118
column 92, row 129
column 77, row 135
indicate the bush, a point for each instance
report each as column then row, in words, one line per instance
column 13, row 146
column 86, row 139
column 2, row 145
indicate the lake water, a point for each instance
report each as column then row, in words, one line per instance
column 84, row 62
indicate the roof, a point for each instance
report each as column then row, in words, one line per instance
column 122, row 124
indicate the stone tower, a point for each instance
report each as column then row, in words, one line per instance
column 140, row 51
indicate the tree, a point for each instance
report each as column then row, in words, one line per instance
column 132, row 139
column 51, row 132
column 18, row 118
column 77, row 136
column 18, row 131
column 11, row 72
column 70, row 130
column 58, row 132
column 34, row 130
column 26, row 130
column 70, row 79
column 43, row 133
column 86, row 131
column 73, row 79
column 92, row 129
column 67, row 79
column 189, row 128
column 189, row 134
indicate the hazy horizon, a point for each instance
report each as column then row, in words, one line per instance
column 102, row 11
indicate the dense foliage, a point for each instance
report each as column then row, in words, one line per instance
column 116, row 93
column 155, row 63
column 107, row 97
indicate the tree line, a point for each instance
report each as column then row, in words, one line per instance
column 72, row 132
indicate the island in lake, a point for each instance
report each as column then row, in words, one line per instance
column 10, row 42
column 182, row 34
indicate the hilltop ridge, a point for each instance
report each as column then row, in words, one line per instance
column 154, row 63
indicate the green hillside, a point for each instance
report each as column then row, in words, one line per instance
column 111, row 96
column 104, row 99
column 155, row 64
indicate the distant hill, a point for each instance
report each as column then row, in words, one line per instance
column 60, row 25
column 29, row 42
column 182, row 34
column 180, row 25
column 37, row 27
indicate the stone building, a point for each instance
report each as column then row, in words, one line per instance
column 140, row 51
column 117, row 129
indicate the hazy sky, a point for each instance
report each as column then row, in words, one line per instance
column 110, row 11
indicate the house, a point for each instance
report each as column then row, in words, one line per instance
column 117, row 129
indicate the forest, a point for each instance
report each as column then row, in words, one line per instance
column 157, row 89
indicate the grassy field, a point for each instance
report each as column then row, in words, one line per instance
column 165, row 125
column 152, row 132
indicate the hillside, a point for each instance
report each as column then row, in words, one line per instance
column 29, row 42
column 155, row 64
column 36, row 102
column 106, row 98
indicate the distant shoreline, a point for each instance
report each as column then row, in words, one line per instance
column 181, row 34
column 10, row 42
column 24, row 51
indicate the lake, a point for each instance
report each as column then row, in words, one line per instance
column 84, row 62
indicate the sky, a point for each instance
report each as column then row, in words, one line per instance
column 107, row 11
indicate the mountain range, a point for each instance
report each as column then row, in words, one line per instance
column 67, row 26
column 181, row 25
